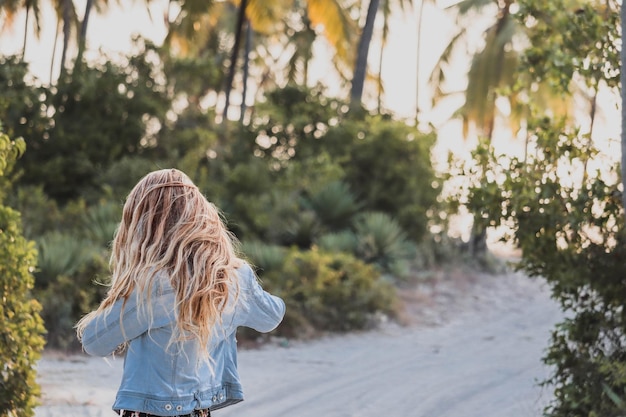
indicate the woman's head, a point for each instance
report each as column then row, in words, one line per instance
column 169, row 226
column 160, row 210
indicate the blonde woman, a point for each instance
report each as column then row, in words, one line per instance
column 178, row 293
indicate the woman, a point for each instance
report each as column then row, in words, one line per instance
column 178, row 293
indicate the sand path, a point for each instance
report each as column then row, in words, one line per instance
column 473, row 349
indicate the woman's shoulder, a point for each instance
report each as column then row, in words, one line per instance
column 246, row 277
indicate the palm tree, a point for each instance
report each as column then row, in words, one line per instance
column 420, row 20
column 82, row 35
column 491, row 69
column 386, row 8
column 31, row 7
column 623, row 92
column 360, row 68
column 67, row 14
column 70, row 22
column 493, row 72
column 493, row 75
column 326, row 13
column 241, row 17
column 200, row 23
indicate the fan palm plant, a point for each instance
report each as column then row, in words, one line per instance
column 100, row 223
column 382, row 241
column 60, row 254
column 334, row 204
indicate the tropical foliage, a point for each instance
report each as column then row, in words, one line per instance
column 562, row 203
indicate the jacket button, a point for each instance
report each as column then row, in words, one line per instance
column 168, row 407
column 179, row 407
column 214, row 398
column 221, row 396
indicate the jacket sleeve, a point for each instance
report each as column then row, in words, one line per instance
column 261, row 310
column 123, row 322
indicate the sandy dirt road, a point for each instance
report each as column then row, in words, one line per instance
column 470, row 351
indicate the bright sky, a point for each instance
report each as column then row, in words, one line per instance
column 113, row 31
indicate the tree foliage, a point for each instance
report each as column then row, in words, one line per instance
column 21, row 328
column 562, row 203
column 99, row 115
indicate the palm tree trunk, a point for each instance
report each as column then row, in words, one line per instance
column 420, row 19
column 66, row 34
column 360, row 68
column 82, row 36
column 246, row 64
column 623, row 92
column 233, row 58
column 25, row 29
column 54, row 50
column 383, row 43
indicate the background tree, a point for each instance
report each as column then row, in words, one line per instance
column 91, row 131
column 360, row 66
column 623, row 83
column 562, row 203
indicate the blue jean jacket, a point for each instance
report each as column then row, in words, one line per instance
column 171, row 380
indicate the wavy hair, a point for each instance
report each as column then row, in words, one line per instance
column 169, row 226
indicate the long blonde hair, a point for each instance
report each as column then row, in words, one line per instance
column 169, row 226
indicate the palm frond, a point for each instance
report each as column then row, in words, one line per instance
column 264, row 15
column 464, row 7
column 100, row 223
column 334, row 204
column 60, row 254
column 339, row 29
column 382, row 241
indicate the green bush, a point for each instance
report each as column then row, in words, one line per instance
column 21, row 328
column 572, row 234
column 100, row 222
column 40, row 214
column 329, row 292
column 388, row 168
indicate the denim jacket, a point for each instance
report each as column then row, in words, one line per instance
column 173, row 379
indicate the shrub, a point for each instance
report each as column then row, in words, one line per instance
column 100, row 222
column 39, row 213
column 572, row 234
column 329, row 292
column 388, row 167
column 21, row 328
